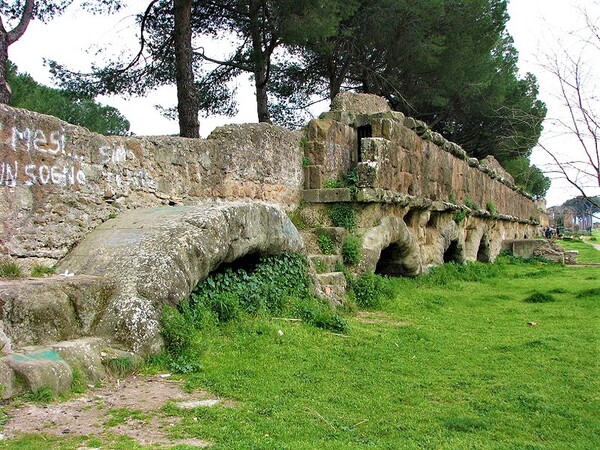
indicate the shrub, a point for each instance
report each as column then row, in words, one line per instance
column 343, row 215
column 491, row 208
column 370, row 290
column 333, row 184
column 325, row 244
column 10, row 270
column 352, row 250
column 225, row 305
column 177, row 330
column 273, row 280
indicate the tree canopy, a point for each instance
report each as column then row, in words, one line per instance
column 83, row 111
column 15, row 16
column 448, row 62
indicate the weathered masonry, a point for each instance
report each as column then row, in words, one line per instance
column 419, row 199
column 134, row 223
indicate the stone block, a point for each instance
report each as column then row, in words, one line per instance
column 315, row 177
column 83, row 354
column 42, row 369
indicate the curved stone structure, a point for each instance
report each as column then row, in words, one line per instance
column 156, row 256
column 391, row 248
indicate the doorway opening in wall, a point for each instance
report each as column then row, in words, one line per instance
column 365, row 131
column 483, row 252
column 391, row 261
column 453, row 253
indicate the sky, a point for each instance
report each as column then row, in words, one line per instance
column 76, row 39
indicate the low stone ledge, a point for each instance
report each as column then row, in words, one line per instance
column 327, row 195
column 38, row 311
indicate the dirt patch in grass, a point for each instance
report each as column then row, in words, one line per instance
column 380, row 318
column 130, row 407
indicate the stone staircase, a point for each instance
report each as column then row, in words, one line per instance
column 326, row 269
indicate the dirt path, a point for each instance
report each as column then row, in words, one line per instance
column 138, row 400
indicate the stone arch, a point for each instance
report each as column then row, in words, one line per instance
column 156, row 256
column 391, row 248
column 484, row 250
column 453, row 253
column 452, row 242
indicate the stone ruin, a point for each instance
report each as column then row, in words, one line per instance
column 134, row 223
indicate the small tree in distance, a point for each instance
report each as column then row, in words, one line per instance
column 578, row 86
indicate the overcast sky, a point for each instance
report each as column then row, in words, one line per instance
column 75, row 38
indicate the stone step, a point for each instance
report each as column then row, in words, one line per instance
column 327, row 195
column 38, row 311
column 324, row 263
column 331, row 285
column 58, row 365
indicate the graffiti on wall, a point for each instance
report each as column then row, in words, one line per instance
column 31, row 157
column 38, row 157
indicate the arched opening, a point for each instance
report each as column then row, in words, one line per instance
column 391, row 261
column 411, row 216
column 365, row 131
column 483, row 252
column 247, row 262
column 453, row 253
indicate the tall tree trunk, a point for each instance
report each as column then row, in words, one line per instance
column 260, row 61
column 4, row 89
column 187, row 98
column 262, row 99
column 7, row 39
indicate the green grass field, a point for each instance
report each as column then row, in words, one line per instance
column 588, row 254
column 501, row 356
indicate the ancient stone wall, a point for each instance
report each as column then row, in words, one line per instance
column 59, row 181
column 400, row 155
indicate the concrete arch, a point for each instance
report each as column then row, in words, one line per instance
column 391, row 248
column 156, row 256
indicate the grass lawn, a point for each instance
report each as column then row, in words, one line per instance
column 588, row 254
column 457, row 360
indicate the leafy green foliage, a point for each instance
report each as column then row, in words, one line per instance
column 527, row 176
column 343, row 215
column 277, row 285
column 10, row 270
column 319, row 314
column 352, row 250
column 75, row 109
column 370, row 290
column 325, row 244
